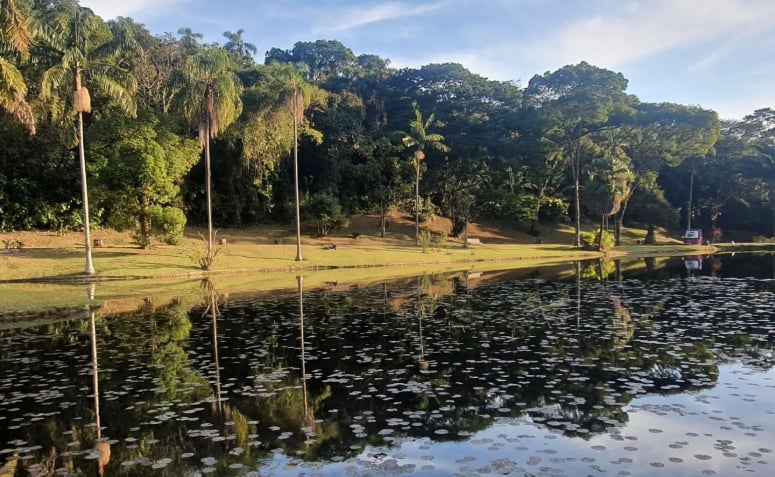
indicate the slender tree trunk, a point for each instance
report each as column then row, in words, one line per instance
column 578, row 293
column 465, row 232
column 382, row 223
column 577, row 198
column 208, row 188
column 95, row 368
column 689, row 208
column 417, row 202
column 89, row 270
column 145, row 222
column 600, row 235
column 214, row 315
column 296, row 183
column 619, row 218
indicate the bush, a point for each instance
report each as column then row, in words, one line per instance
column 168, row 223
column 425, row 240
column 325, row 214
column 589, row 240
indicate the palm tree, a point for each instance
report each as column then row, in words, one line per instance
column 15, row 41
column 296, row 106
column 418, row 138
column 237, row 44
column 76, row 54
column 210, row 99
column 189, row 38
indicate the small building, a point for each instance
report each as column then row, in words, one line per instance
column 693, row 264
column 693, row 237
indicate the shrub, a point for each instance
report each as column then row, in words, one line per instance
column 425, row 240
column 589, row 240
column 325, row 214
column 168, row 223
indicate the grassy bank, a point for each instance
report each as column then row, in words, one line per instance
column 47, row 272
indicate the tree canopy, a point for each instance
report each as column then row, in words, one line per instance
column 557, row 149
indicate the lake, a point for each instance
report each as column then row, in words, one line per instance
column 661, row 367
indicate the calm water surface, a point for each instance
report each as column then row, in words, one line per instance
column 658, row 371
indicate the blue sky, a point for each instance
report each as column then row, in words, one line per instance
column 719, row 54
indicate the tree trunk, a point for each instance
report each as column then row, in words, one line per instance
column 577, row 194
column 145, row 222
column 465, row 233
column 650, row 239
column 296, row 184
column 382, row 224
column 619, row 219
column 89, row 270
column 417, row 201
column 208, row 188
column 577, row 198
column 600, row 235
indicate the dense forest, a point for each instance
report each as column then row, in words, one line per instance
column 170, row 130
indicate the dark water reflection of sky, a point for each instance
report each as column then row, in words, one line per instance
column 663, row 372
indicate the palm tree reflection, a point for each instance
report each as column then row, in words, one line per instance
column 309, row 413
column 101, row 446
column 211, row 299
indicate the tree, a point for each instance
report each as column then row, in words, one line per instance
column 761, row 165
column 298, row 95
column 237, row 44
column 189, row 38
column 15, row 41
column 82, row 51
column 459, row 186
column 238, row 47
column 142, row 163
column 418, row 138
column 663, row 134
column 578, row 100
column 210, row 99
column 382, row 177
column 296, row 107
column 610, row 181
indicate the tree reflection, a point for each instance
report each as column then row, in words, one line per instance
column 211, row 299
column 324, row 374
column 101, row 446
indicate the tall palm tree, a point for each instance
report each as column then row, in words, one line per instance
column 77, row 54
column 296, row 106
column 15, row 41
column 419, row 138
column 189, row 38
column 211, row 100
column 237, row 44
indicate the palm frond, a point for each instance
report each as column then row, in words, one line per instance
column 15, row 27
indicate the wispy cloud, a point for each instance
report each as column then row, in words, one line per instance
column 126, row 8
column 358, row 16
column 637, row 30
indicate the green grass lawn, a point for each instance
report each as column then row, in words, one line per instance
column 47, row 273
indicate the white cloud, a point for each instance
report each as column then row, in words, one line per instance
column 110, row 9
column 359, row 16
column 641, row 29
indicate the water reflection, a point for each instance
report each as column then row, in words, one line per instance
column 442, row 374
column 101, row 446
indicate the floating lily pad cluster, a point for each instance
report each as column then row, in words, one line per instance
column 433, row 377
